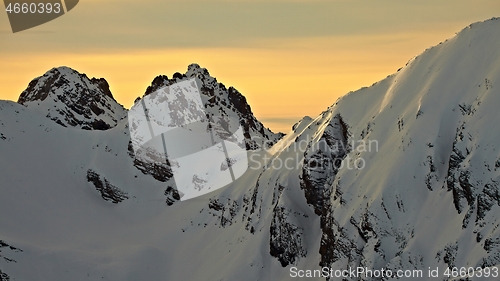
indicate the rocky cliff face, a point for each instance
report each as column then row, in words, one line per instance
column 227, row 105
column 222, row 101
column 72, row 99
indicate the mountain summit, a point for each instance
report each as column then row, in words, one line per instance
column 72, row 99
column 220, row 100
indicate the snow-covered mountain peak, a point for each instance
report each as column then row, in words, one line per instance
column 489, row 23
column 195, row 69
column 221, row 101
column 71, row 99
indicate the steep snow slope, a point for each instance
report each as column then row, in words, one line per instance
column 423, row 191
column 429, row 194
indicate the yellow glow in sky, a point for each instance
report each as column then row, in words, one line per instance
column 289, row 58
column 282, row 84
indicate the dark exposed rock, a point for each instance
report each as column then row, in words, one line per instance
column 467, row 187
column 172, row 195
column 460, row 181
column 492, row 247
column 219, row 100
column 448, row 254
column 72, row 99
column 486, row 200
column 431, row 176
column 103, row 85
column 320, row 168
column 452, row 181
column 158, row 82
column 4, row 276
column 286, row 239
column 225, row 212
column 335, row 242
column 160, row 171
column 108, row 191
column 252, row 212
column 3, row 245
column 286, row 242
column 321, row 163
column 32, row 93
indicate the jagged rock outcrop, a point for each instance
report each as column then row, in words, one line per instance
column 286, row 238
column 108, row 191
column 225, row 212
column 160, row 170
column 222, row 101
column 71, row 99
column 227, row 104
column 4, row 246
column 322, row 160
column 4, row 276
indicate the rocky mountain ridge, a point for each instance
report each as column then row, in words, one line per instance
column 220, row 100
column 72, row 99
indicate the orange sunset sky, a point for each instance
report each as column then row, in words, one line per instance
column 289, row 58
